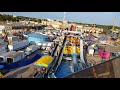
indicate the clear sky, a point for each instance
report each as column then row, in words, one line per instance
column 104, row 18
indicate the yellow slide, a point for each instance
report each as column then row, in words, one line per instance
column 69, row 50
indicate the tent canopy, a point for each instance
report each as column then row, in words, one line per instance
column 44, row 61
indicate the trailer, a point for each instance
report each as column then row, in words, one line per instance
column 4, row 44
column 2, row 48
column 15, row 42
column 50, row 44
column 31, row 49
column 15, row 57
column 3, row 56
column 39, row 44
column 19, row 45
column 27, row 53
column 45, row 44
column 2, row 52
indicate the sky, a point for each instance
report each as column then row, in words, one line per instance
column 103, row 18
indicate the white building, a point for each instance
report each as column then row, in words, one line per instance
column 79, row 27
column 14, row 15
column 5, row 28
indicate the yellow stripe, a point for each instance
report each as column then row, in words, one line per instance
column 45, row 60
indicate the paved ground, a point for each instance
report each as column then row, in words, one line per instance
column 25, row 71
column 97, row 59
column 113, row 48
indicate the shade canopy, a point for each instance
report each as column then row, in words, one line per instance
column 44, row 61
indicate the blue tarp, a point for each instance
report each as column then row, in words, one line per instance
column 12, row 66
column 63, row 70
column 35, row 37
column 1, row 66
column 22, row 63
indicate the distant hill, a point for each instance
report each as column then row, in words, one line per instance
column 4, row 18
column 107, row 27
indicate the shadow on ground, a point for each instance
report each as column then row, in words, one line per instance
column 17, row 73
